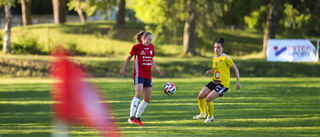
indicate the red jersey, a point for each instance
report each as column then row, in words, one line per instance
column 142, row 61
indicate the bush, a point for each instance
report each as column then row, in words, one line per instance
column 28, row 44
column 73, row 49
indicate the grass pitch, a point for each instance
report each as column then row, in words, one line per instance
column 263, row 107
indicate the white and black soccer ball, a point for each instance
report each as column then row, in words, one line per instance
column 169, row 88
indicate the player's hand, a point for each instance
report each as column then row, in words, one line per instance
column 238, row 86
column 207, row 72
column 159, row 72
column 121, row 72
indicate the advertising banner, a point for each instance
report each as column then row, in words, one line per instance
column 291, row 50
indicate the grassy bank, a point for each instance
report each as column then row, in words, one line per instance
column 38, row 66
column 106, row 39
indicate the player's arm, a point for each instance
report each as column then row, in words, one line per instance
column 211, row 71
column 236, row 72
column 125, row 65
column 153, row 63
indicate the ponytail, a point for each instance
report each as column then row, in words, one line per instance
column 141, row 35
column 138, row 36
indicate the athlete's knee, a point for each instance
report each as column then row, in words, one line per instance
column 147, row 100
column 209, row 99
column 137, row 95
column 201, row 96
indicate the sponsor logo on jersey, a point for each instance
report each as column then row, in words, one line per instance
column 147, row 57
column 142, row 53
column 148, row 64
column 217, row 75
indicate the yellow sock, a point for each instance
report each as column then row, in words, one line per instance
column 210, row 108
column 202, row 105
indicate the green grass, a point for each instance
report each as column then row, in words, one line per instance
column 263, row 107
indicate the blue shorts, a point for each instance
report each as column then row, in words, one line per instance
column 145, row 82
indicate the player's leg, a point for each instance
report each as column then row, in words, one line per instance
column 210, row 106
column 202, row 102
column 218, row 91
column 147, row 91
column 134, row 103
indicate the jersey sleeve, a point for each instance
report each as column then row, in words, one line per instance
column 133, row 50
column 153, row 53
column 229, row 62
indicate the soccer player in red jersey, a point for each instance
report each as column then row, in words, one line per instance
column 144, row 53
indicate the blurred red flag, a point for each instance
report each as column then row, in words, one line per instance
column 77, row 100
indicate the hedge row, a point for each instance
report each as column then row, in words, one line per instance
column 185, row 68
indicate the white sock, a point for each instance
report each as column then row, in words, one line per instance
column 133, row 107
column 141, row 108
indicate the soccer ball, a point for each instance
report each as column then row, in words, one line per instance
column 169, row 88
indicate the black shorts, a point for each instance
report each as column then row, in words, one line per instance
column 219, row 88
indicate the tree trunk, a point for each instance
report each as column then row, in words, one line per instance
column 59, row 11
column 189, row 35
column 80, row 11
column 7, row 29
column 121, row 13
column 26, row 12
column 271, row 25
column 81, row 15
column 0, row 15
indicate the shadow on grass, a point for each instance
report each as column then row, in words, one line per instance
column 263, row 107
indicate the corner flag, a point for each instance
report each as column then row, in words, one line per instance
column 76, row 100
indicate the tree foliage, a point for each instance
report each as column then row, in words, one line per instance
column 300, row 15
column 164, row 12
column 91, row 6
column 5, row 2
column 173, row 14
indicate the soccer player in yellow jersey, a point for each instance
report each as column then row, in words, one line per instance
column 219, row 84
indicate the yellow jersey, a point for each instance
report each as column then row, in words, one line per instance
column 221, row 66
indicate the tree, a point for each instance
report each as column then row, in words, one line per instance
column 198, row 18
column 26, row 12
column 89, row 7
column 78, row 6
column 271, row 25
column 7, row 26
column 305, row 18
column 189, row 36
column 7, row 29
column 122, row 12
column 59, row 11
column 0, row 13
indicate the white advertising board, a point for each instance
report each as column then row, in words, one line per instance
column 291, row 50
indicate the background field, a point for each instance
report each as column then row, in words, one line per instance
column 263, row 107
column 267, row 105
column 103, row 47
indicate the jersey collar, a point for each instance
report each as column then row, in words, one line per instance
column 219, row 56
